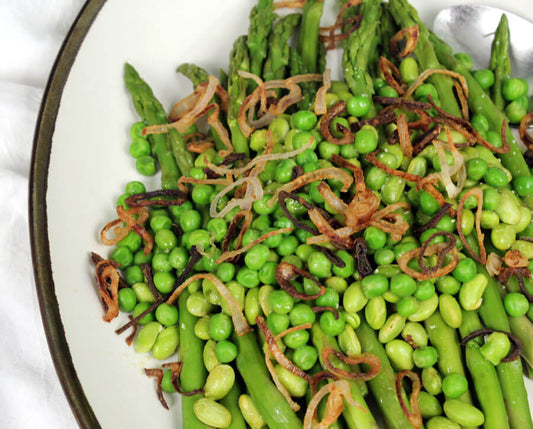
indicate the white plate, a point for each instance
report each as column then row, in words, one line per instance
column 89, row 165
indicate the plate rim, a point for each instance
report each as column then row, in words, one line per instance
column 38, row 221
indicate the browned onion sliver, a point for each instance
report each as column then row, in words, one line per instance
column 108, row 280
column 517, row 344
column 519, row 273
column 327, row 120
column 286, row 272
column 170, row 197
column 412, row 40
column 414, row 415
column 514, row 258
column 392, row 75
column 478, row 193
column 366, row 358
column 431, row 250
column 524, row 135
column 157, row 373
column 442, row 254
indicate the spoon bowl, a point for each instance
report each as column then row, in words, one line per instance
column 470, row 29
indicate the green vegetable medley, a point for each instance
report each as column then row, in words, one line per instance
column 332, row 253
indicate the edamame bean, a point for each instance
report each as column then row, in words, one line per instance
column 146, row 337
column 348, row 341
column 201, row 328
column 429, row 405
column 471, row 293
column 376, row 312
column 295, row 385
column 425, row 309
column 250, row 413
column 463, row 413
column 507, row 210
column 440, row 422
column 210, row 356
column 496, row 347
column 400, row 354
column 432, row 380
column 415, row 334
column 166, row 343
column 450, row 310
column 354, row 298
column 392, row 328
column 212, row 413
column 264, row 292
column 252, row 309
column 197, row 305
column 219, row 382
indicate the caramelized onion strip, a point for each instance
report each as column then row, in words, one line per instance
column 478, row 193
column 414, row 415
column 366, row 358
column 286, row 272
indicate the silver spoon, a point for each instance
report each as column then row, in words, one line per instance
column 470, row 29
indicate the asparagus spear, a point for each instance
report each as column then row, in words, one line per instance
column 278, row 53
column 407, row 16
column 480, row 103
column 196, row 74
column 500, row 63
column 297, row 66
column 193, row 373
column 152, row 113
column 308, row 42
column 484, row 376
column 357, row 53
column 261, row 20
column 239, row 60
column 494, row 316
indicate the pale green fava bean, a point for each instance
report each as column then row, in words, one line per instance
column 467, row 221
column 212, row 413
column 463, row 413
column 146, row 337
column 507, row 210
column 392, row 328
column 250, row 413
column 143, row 292
column 354, row 299
column 391, row 297
column 425, row 309
column 352, row 319
column 441, row 422
column 252, row 309
column 348, row 341
column 210, row 292
column 197, row 305
column 201, row 328
column 489, row 219
column 166, row 343
column 400, row 354
column 295, row 385
column 471, row 293
column 525, row 220
column 264, row 292
column 429, row 405
column 525, row 248
column 210, row 355
column 414, row 333
column 432, row 380
column 376, row 312
column 496, row 347
column 450, row 310
column 219, row 382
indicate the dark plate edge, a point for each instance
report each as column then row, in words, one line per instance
column 38, row 223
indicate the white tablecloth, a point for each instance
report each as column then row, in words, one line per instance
column 31, row 33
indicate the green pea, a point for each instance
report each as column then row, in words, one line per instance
column 349, row 264
column 366, row 140
column 392, row 328
column 212, row 413
column 358, row 105
column 374, row 285
column 329, row 299
column 127, row 299
column 448, row 284
column 376, row 312
column 132, row 241
column 476, row 168
column 450, row 310
column 305, row 357
column 267, row 273
column 426, row 89
column 338, row 284
column 454, row 385
column 424, row 290
column 288, row 245
column 426, row 356
column 256, row 257
column 166, row 314
column 374, row 178
column 496, row 177
column 161, row 262
column 166, row 343
column 384, row 256
column 514, row 88
column 516, row 304
column 145, row 165
column 491, row 199
column 301, row 314
column 164, row 281
column 281, row 302
column 296, row 339
column 248, row 278
column 402, row 285
column 139, row 309
column 319, row 265
column 331, row 325
column 123, row 256
column 279, row 127
column 400, row 354
column 484, row 77
column 407, row 306
column 463, row 413
column 277, row 322
column 146, row 337
column 190, row 220
column 428, row 203
column 432, row 380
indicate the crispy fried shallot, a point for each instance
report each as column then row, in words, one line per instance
column 412, row 34
column 526, row 138
column 162, row 197
column 320, row 99
column 108, row 279
column 285, row 273
column 478, row 193
column 366, row 358
column 414, row 415
column 432, row 249
column 520, row 273
column 326, row 123
column 392, row 75
column 132, row 224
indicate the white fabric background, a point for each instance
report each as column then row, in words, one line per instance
column 31, row 33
